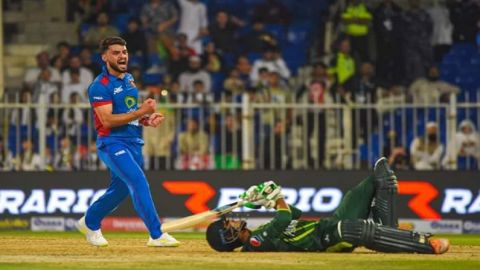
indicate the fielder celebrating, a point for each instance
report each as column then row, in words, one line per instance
column 113, row 97
column 347, row 229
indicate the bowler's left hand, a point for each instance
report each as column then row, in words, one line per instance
column 155, row 119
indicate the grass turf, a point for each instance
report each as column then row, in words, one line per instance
column 68, row 250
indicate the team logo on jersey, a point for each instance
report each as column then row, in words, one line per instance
column 130, row 101
column 255, row 242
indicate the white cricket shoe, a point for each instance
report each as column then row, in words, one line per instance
column 93, row 237
column 166, row 240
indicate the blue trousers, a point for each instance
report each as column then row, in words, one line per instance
column 125, row 161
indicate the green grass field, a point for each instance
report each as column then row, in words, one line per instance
column 29, row 250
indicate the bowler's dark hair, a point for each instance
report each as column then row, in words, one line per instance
column 108, row 41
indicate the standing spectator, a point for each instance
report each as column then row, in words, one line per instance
column 271, row 60
column 212, row 58
column 195, row 72
column 387, row 25
column 194, row 147
column 101, row 30
column 27, row 159
column 180, row 61
column 244, row 68
column 465, row 147
column 86, row 60
column 319, row 74
column 86, row 76
column 272, row 12
column 136, row 40
column 426, row 152
column 276, row 157
column 464, row 15
column 43, row 89
column 193, row 22
column 73, row 117
column 23, row 116
column 357, row 19
column 73, row 86
column 417, row 36
column 62, row 56
column 228, row 153
column 32, row 74
column 431, row 90
column 258, row 39
column 442, row 30
column 343, row 66
column 223, row 30
column 158, row 19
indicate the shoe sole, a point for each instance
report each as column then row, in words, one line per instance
column 164, row 245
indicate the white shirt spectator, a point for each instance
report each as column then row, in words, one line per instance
column 192, row 21
column 278, row 65
column 426, row 152
column 86, row 78
column 442, row 27
column 31, row 76
column 71, row 88
column 466, row 143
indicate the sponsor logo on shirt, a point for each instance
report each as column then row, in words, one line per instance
column 121, row 152
column 255, row 242
column 98, row 98
column 117, row 90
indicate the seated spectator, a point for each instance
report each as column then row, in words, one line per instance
column 24, row 116
column 258, row 39
column 180, row 61
column 66, row 157
column 211, row 58
column 274, row 156
column 73, row 117
column 158, row 20
column 194, row 147
column 193, row 22
column 234, row 85
column 465, row 148
column 194, row 73
column 272, row 60
column 86, row 76
column 398, row 156
column 228, row 153
column 27, row 159
column 319, row 75
column 431, row 90
column 62, row 56
column 32, row 74
column 223, row 30
column 44, row 87
column 365, row 86
column 244, row 69
column 100, row 31
column 74, row 86
column 272, row 12
column 87, row 61
column 135, row 38
column 198, row 96
column 93, row 162
column 426, row 151
column 357, row 19
column 262, row 83
column 6, row 157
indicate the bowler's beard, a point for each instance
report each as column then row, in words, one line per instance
column 115, row 67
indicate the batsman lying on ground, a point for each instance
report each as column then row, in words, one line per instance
column 348, row 228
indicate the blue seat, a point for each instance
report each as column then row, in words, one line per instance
column 152, row 79
column 120, row 21
column 277, row 30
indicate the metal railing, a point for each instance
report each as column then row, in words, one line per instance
column 240, row 135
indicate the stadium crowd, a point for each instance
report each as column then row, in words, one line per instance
column 204, row 52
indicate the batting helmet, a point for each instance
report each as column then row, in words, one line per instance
column 222, row 237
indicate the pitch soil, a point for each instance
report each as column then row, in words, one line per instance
column 129, row 251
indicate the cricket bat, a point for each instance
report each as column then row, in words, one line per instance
column 190, row 221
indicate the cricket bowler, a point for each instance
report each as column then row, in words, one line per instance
column 348, row 228
column 118, row 119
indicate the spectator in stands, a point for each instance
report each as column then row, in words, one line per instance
column 74, row 86
column 73, row 117
column 465, row 148
column 273, row 61
column 223, row 31
column 44, row 87
column 258, row 39
column 86, row 59
column 398, row 156
column 93, row 162
column 442, row 30
column 388, row 35
column 135, row 38
column 32, row 74
column 65, row 158
column 180, row 61
column 234, row 85
column 158, row 141
column 23, row 116
column 272, row 12
column 62, row 56
column 195, row 72
column 431, row 90
column 86, row 76
column 27, row 159
column 343, row 66
column 100, row 31
column 275, row 156
column 464, row 15
column 158, row 19
column 357, row 19
column 6, row 157
column 365, row 86
column 211, row 58
column 319, row 74
column 194, row 147
column 417, row 36
column 228, row 153
column 193, row 22
column 244, row 68
column 426, row 152
column 261, row 85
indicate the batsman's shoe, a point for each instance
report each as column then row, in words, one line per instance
column 95, row 238
column 440, row 245
column 166, row 240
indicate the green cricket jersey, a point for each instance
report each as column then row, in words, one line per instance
column 285, row 233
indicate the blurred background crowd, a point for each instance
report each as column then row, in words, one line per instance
column 374, row 78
